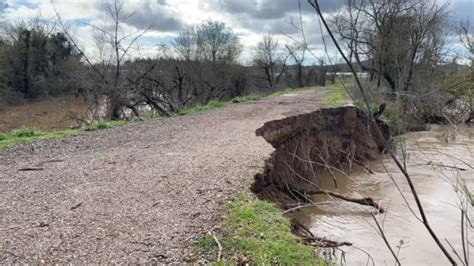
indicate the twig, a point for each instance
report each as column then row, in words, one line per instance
column 369, row 257
column 297, row 208
column 385, row 240
column 317, row 8
column 454, row 251
column 27, row 169
column 463, row 238
column 219, row 246
column 446, row 166
column 76, row 206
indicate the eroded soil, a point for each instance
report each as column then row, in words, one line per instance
column 139, row 193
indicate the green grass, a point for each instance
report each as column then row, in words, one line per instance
column 217, row 104
column 257, row 230
column 336, row 98
column 25, row 134
column 248, row 98
column 206, row 244
column 200, row 108
column 288, row 91
column 105, row 124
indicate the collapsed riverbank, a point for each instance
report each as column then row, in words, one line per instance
column 306, row 147
column 320, row 153
column 312, row 145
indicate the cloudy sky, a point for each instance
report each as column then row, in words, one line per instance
column 248, row 18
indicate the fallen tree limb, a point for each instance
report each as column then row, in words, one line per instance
column 310, row 239
column 326, row 243
column 364, row 201
column 298, row 207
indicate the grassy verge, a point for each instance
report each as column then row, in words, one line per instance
column 217, row 104
column 25, row 134
column 337, row 97
column 200, row 108
column 288, row 91
column 105, row 124
column 256, row 232
column 20, row 135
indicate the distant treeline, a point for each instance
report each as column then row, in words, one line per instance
column 199, row 66
column 35, row 62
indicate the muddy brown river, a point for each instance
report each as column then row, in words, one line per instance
column 436, row 185
column 47, row 114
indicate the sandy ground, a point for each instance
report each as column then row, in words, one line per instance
column 139, row 193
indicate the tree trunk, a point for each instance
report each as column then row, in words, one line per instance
column 300, row 75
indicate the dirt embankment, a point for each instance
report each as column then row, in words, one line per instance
column 309, row 146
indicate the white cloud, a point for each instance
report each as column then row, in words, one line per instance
column 248, row 18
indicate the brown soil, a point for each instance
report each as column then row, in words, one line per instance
column 139, row 193
column 314, row 145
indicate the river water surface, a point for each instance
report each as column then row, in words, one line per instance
column 436, row 185
column 46, row 114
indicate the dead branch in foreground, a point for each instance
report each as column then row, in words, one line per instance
column 317, row 8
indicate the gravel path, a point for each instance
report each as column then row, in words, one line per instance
column 139, row 193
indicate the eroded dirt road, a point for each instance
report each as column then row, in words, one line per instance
column 139, row 193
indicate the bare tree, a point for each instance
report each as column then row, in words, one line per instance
column 465, row 84
column 396, row 38
column 297, row 52
column 185, row 44
column 113, row 46
column 210, row 52
column 466, row 37
column 211, row 41
column 217, row 43
column 268, row 58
